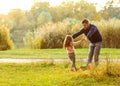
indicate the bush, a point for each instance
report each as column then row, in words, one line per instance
column 111, row 32
column 105, row 71
column 52, row 35
column 5, row 41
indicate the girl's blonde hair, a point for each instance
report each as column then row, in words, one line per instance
column 67, row 41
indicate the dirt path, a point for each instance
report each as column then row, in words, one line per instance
column 11, row 60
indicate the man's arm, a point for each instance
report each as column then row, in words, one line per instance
column 77, row 34
column 92, row 31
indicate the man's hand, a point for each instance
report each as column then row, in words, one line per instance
column 86, row 39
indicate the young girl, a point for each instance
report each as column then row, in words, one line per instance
column 69, row 46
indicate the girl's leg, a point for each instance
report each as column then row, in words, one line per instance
column 72, row 58
column 71, row 61
column 74, row 66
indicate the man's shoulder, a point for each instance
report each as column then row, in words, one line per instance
column 93, row 26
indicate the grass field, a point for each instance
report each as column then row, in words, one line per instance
column 57, row 74
column 50, row 74
column 56, row 53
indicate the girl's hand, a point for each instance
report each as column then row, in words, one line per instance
column 84, row 39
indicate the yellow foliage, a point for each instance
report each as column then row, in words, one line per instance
column 5, row 41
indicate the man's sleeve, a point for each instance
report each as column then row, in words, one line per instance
column 92, row 31
column 77, row 34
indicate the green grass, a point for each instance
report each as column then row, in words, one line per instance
column 56, row 53
column 50, row 74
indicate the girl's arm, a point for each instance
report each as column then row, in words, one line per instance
column 78, row 42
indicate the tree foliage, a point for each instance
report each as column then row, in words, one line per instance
column 19, row 22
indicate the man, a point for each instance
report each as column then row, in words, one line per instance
column 93, row 35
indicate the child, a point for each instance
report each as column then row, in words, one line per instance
column 69, row 46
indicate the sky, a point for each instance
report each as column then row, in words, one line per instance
column 7, row 5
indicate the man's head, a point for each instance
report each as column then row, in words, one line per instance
column 86, row 24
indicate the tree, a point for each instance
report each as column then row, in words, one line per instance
column 37, row 8
column 43, row 18
column 110, row 10
column 76, row 10
column 18, row 31
column 16, row 15
column 84, row 9
column 5, row 21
